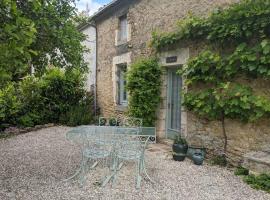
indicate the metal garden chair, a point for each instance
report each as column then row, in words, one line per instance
column 131, row 149
column 97, row 150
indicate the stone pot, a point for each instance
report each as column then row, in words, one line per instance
column 198, row 158
column 180, row 148
column 179, row 157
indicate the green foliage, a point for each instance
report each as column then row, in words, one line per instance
column 210, row 67
column 228, row 100
column 80, row 114
column 17, row 34
column 241, row 171
column 238, row 45
column 10, row 105
column 56, row 97
column 179, row 140
column 261, row 182
column 143, row 85
column 219, row 160
column 34, row 32
column 237, row 23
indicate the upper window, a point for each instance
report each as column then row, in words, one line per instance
column 123, row 28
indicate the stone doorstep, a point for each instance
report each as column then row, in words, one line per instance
column 257, row 162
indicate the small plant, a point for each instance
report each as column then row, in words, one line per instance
column 241, row 171
column 180, row 140
column 219, row 160
column 261, row 182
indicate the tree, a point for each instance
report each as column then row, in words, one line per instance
column 38, row 32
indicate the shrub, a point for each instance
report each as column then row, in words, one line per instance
column 81, row 114
column 143, row 85
column 261, row 182
column 219, row 160
column 239, row 171
column 57, row 96
column 10, row 105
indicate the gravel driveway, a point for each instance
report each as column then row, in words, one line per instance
column 32, row 167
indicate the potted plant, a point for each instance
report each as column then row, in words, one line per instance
column 179, row 148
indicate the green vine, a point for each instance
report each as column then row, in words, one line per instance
column 237, row 23
column 143, row 85
column 238, row 45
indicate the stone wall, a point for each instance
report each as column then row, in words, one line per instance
column 144, row 17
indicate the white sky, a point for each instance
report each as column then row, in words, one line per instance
column 92, row 5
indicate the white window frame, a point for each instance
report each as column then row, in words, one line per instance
column 117, row 61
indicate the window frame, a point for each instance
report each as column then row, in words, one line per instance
column 123, row 29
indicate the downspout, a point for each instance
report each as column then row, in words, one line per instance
column 95, row 69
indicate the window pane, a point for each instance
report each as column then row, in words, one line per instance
column 123, row 28
column 122, row 93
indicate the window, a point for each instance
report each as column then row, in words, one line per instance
column 123, row 28
column 122, row 92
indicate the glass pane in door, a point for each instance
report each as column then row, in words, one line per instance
column 174, row 104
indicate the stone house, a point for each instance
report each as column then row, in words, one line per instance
column 124, row 29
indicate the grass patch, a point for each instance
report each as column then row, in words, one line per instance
column 241, row 171
column 260, row 182
column 219, row 160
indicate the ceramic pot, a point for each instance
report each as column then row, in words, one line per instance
column 198, row 158
column 180, row 148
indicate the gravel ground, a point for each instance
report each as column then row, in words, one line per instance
column 32, row 167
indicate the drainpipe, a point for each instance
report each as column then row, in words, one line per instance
column 95, row 70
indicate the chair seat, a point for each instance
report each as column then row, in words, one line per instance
column 96, row 153
column 129, row 154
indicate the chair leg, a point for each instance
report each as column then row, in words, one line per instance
column 115, row 170
column 138, row 175
column 83, row 172
column 145, row 172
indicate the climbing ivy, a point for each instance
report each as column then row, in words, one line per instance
column 237, row 42
column 143, row 85
column 237, row 23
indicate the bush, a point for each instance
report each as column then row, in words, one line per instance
column 81, row 114
column 261, row 182
column 57, row 96
column 219, row 160
column 10, row 105
column 239, row 171
column 143, row 85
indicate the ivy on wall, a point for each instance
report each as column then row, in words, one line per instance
column 143, row 85
column 238, row 44
column 239, row 22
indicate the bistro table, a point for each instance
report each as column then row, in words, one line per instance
column 109, row 146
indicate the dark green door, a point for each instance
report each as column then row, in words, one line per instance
column 173, row 118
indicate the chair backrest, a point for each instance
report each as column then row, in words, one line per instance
column 99, row 138
column 132, row 122
column 102, row 121
column 128, row 139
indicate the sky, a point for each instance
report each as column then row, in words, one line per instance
column 93, row 5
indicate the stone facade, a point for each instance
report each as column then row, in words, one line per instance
column 144, row 17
